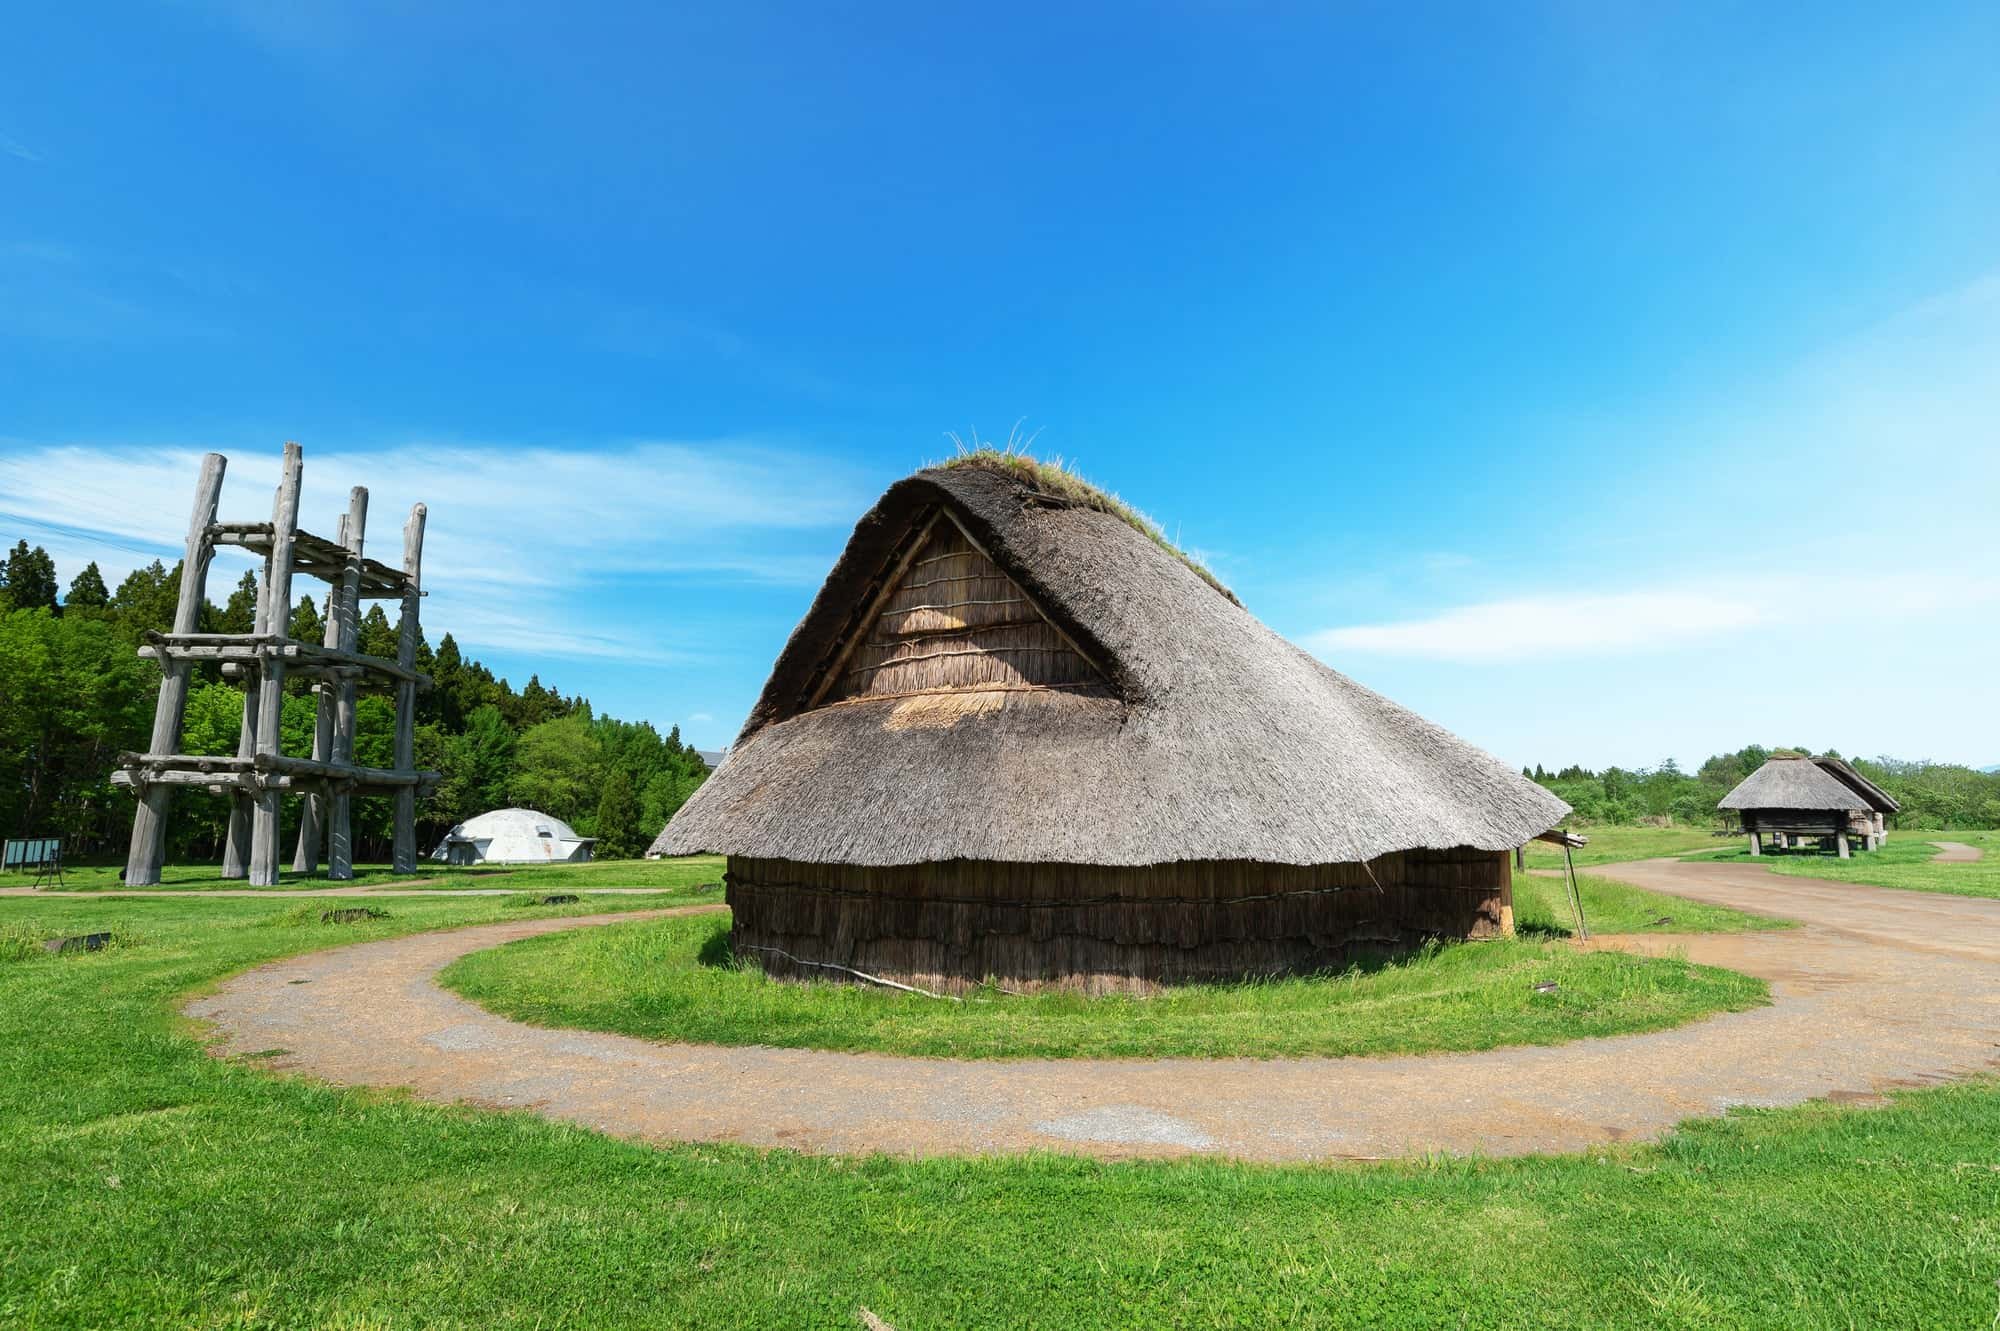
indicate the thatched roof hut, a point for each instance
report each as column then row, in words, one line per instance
column 1878, row 799
column 1019, row 735
column 1796, row 795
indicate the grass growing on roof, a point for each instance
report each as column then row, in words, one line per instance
column 675, row 980
column 147, row 1184
column 1905, row 862
column 1056, row 479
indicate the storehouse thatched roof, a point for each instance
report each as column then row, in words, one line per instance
column 1871, row 794
column 1215, row 739
column 1791, row 781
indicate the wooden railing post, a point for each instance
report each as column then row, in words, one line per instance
column 149, row 825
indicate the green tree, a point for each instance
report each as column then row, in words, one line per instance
column 239, row 612
column 558, row 768
column 377, row 635
column 618, row 833
column 87, row 591
column 72, row 695
column 145, row 601
column 31, row 578
column 307, row 624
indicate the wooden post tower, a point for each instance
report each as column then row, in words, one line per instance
column 259, row 774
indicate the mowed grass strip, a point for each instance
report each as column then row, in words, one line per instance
column 1541, row 906
column 665, row 875
column 675, row 980
column 146, row 1184
column 1612, row 844
column 1905, row 862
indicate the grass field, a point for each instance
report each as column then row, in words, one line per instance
column 1541, row 906
column 666, row 875
column 1904, row 861
column 1612, row 845
column 673, row 980
column 147, row 1185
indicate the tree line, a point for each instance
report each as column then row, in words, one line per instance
column 74, row 693
column 1933, row 795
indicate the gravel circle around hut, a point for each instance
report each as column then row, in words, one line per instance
column 1878, row 989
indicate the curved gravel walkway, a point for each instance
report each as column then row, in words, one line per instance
column 1882, row 989
column 1956, row 852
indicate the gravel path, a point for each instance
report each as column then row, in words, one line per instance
column 1882, row 989
column 1956, row 852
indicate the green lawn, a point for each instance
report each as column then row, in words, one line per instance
column 667, row 875
column 1541, row 906
column 673, row 980
column 1612, row 845
column 147, row 1185
column 1904, row 861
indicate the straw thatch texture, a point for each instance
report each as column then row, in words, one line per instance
column 1098, row 929
column 954, row 621
column 1211, row 738
column 1791, row 783
column 1876, row 798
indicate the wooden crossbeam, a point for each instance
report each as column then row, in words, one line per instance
column 305, row 656
column 206, row 764
column 315, row 556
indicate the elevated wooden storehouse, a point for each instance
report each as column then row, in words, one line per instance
column 1880, row 802
column 1794, row 795
column 1018, row 736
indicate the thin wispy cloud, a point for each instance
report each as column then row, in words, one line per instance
column 1528, row 627
column 515, row 537
column 1556, row 627
column 14, row 148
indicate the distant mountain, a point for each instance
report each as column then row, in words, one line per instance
column 1994, row 768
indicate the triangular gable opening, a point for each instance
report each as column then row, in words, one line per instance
column 948, row 620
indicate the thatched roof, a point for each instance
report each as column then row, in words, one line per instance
column 1215, row 739
column 1791, row 782
column 1873, row 795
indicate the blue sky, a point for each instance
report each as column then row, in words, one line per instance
column 1606, row 384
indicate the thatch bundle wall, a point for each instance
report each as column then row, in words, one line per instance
column 955, row 621
column 1099, row 928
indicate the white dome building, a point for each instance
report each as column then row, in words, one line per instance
column 514, row 836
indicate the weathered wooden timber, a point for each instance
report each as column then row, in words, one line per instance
column 300, row 657
column 258, row 776
column 317, row 557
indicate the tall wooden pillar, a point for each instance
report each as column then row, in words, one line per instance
column 315, row 814
column 149, row 822
column 236, row 846
column 345, row 611
column 265, row 851
column 408, row 633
